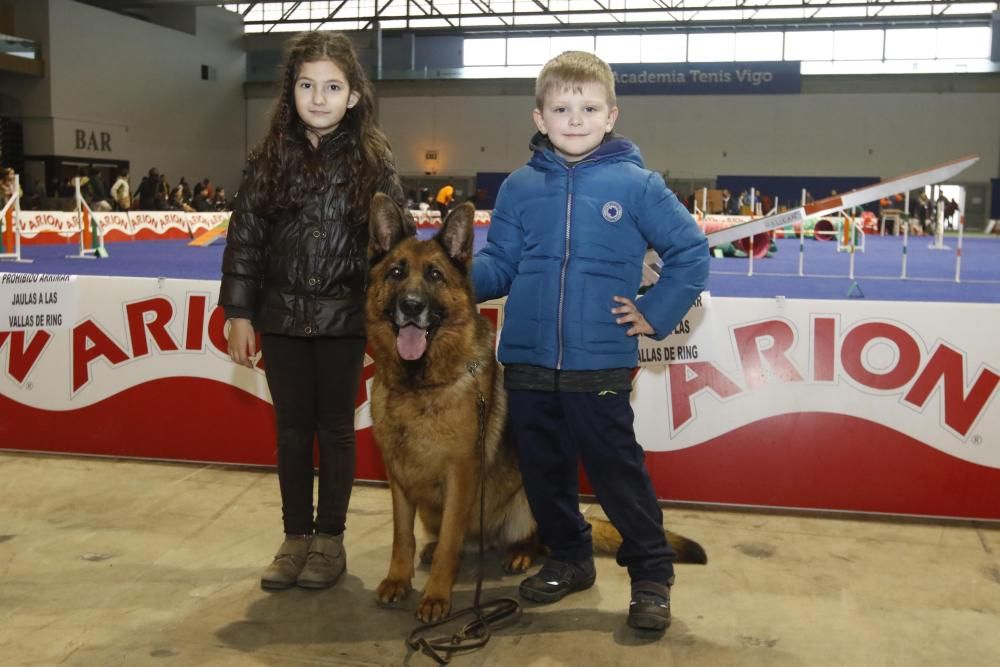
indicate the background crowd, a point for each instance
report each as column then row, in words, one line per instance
column 154, row 192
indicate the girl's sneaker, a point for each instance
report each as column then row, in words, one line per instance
column 284, row 570
column 325, row 562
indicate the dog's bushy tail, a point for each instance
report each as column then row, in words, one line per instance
column 607, row 539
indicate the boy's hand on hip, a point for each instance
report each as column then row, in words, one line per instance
column 628, row 313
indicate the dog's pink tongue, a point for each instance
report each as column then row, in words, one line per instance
column 411, row 342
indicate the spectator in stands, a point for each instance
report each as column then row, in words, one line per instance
column 163, row 192
column 729, row 205
column 188, row 194
column 156, row 192
column 200, row 202
column 177, row 201
column 445, row 196
column 7, row 185
column 219, row 202
column 146, row 192
column 294, row 271
column 744, row 203
column 121, row 198
column 160, row 193
column 66, row 188
column 950, row 209
column 209, row 188
column 94, row 191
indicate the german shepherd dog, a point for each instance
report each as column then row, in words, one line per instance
column 434, row 362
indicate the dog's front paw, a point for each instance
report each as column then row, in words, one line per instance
column 433, row 608
column 392, row 590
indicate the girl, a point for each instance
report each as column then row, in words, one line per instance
column 294, row 270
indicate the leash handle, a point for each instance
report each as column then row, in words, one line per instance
column 472, row 636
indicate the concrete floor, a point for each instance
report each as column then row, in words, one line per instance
column 111, row 562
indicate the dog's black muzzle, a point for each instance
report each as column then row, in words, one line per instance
column 416, row 309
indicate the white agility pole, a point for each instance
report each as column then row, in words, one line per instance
column 802, row 239
column 842, row 237
column 98, row 250
column 750, row 256
column 704, row 200
column 906, row 240
column 939, row 227
column 958, row 252
column 851, row 235
column 802, row 248
column 857, row 197
column 13, row 208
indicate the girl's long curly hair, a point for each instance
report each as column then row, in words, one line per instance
column 286, row 166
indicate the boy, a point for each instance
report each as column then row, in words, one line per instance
column 566, row 245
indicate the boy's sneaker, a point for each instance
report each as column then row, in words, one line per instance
column 650, row 606
column 557, row 579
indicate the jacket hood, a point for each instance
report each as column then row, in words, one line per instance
column 613, row 147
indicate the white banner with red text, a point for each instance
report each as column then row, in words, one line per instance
column 886, row 407
column 57, row 226
column 62, row 226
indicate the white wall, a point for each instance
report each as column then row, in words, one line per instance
column 778, row 135
column 470, row 134
column 258, row 119
column 105, row 69
column 28, row 95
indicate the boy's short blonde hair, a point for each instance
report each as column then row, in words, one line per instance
column 572, row 69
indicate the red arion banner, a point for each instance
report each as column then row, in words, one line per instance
column 842, row 405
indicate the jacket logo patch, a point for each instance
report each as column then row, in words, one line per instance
column 612, row 211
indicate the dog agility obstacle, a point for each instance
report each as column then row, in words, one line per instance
column 91, row 235
column 10, row 221
column 797, row 217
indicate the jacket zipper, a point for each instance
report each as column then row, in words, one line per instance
column 562, row 272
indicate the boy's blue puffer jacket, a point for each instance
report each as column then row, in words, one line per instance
column 564, row 240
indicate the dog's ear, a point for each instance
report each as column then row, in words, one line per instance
column 456, row 233
column 389, row 225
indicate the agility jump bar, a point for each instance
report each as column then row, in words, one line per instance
column 869, row 193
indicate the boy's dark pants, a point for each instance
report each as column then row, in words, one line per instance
column 553, row 430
